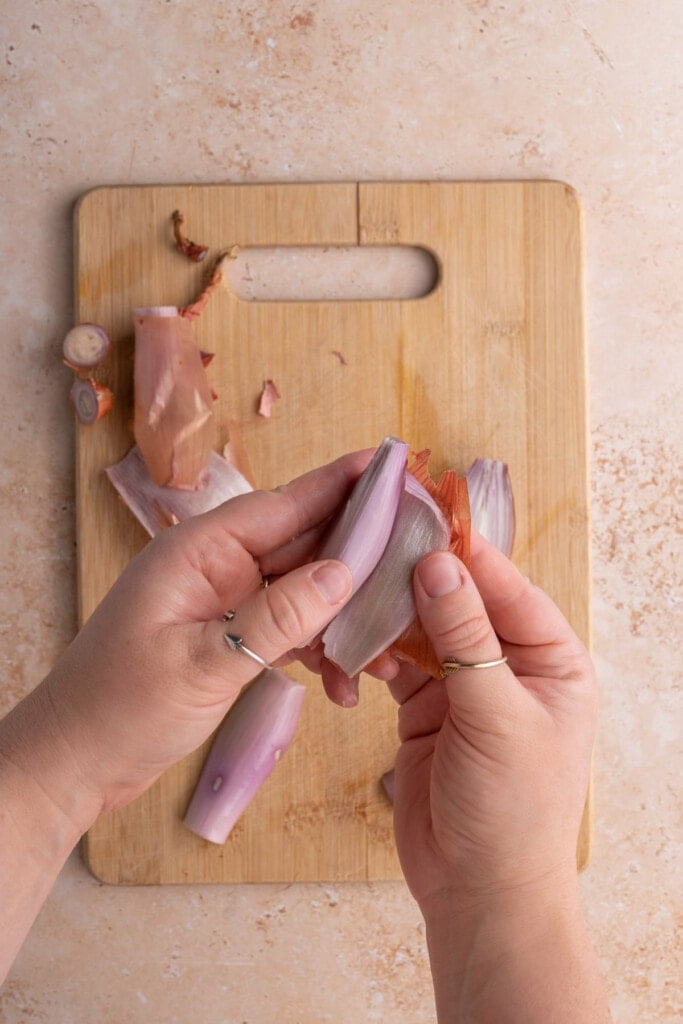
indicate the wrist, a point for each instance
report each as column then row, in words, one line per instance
column 515, row 955
column 44, row 810
column 482, row 944
column 42, row 763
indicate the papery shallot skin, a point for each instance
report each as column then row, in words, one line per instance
column 174, row 424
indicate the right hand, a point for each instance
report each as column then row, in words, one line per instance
column 494, row 764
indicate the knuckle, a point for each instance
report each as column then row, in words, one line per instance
column 287, row 617
column 472, row 632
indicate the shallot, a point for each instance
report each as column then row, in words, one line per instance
column 250, row 741
column 384, row 606
column 360, row 532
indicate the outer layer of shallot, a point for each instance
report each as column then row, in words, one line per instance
column 174, row 422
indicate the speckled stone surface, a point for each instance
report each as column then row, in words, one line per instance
column 588, row 92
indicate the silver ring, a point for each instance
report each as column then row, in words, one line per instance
column 235, row 644
column 453, row 665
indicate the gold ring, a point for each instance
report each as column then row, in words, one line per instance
column 453, row 665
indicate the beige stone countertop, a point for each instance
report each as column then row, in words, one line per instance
column 586, row 91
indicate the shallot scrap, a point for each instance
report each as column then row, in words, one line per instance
column 92, row 401
column 85, row 346
column 269, row 396
column 214, row 282
column 157, row 508
column 194, row 252
column 388, row 781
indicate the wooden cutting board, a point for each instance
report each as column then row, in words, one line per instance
column 491, row 363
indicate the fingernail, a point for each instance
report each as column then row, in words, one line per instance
column 333, row 580
column 440, row 574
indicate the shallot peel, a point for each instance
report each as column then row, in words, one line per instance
column 269, row 396
column 257, row 730
column 360, row 534
column 194, row 252
column 383, row 608
column 174, row 423
column 92, row 401
column 84, row 346
column 157, row 508
column 491, row 502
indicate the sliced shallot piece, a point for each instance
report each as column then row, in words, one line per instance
column 384, row 606
column 174, row 421
column 257, row 730
column 157, row 508
column 84, row 346
column 491, row 502
column 92, row 401
column 360, row 534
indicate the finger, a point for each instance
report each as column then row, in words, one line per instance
column 423, row 713
column 263, row 521
column 538, row 639
column 519, row 611
column 408, row 681
column 298, row 551
column 384, row 667
column 273, row 621
column 453, row 615
column 339, row 688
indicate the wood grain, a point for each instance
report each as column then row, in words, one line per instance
column 490, row 363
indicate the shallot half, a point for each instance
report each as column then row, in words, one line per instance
column 384, row 607
column 253, row 736
column 362, row 529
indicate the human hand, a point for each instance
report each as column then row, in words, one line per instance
column 149, row 676
column 494, row 764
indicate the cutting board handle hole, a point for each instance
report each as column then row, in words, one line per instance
column 332, row 273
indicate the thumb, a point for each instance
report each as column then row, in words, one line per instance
column 455, row 620
column 275, row 620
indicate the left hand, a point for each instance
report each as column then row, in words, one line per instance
column 149, row 676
